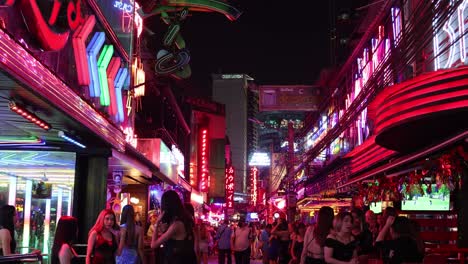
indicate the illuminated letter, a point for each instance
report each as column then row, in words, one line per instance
column 112, row 70
column 104, row 59
column 118, row 84
column 79, row 50
column 93, row 49
column 461, row 30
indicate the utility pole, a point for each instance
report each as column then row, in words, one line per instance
column 291, row 196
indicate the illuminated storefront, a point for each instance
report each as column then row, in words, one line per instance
column 40, row 184
column 67, row 117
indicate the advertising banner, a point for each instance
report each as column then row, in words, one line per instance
column 289, row 97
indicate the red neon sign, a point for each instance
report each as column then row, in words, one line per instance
column 49, row 39
column 203, row 162
column 112, row 70
column 79, row 49
column 229, row 186
column 254, row 189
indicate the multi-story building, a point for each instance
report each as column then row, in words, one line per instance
column 232, row 90
column 398, row 107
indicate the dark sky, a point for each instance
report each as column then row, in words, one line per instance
column 275, row 42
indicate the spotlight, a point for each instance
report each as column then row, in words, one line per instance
column 69, row 139
column 29, row 116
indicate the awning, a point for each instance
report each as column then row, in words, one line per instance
column 367, row 154
column 408, row 158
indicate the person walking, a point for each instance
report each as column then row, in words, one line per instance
column 223, row 239
column 241, row 242
column 102, row 243
column 130, row 249
column 65, row 234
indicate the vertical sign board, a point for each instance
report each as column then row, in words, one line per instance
column 203, row 153
column 229, row 187
column 253, row 186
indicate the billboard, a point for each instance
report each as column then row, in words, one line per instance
column 289, row 97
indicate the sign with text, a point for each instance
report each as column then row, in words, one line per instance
column 289, row 97
column 229, row 187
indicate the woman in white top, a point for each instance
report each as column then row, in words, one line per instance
column 241, row 243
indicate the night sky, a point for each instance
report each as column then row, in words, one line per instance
column 275, row 42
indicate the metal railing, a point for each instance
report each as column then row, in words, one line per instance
column 29, row 258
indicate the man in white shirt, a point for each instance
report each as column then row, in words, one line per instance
column 241, row 242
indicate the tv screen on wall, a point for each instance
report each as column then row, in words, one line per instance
column 376, row 207
column 435, row 198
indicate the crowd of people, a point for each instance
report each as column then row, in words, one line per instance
column 348, row 237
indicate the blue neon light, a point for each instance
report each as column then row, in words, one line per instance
column 71, row 140
column 118, row 83
column 92, row 51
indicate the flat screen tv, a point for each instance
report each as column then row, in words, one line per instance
column 376, row 207
column 437, row 198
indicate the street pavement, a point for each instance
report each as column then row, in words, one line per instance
column 214, row 260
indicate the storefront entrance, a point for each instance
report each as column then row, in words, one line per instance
column 40, row 185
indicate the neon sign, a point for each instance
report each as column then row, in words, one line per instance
column 229, row 187
column 260, row 159
column 139, row 78
column 451, row 35
column 180, row 161
column 94, row 62
column 47, row 37
column 79, row 50
column 130, row 136
column 254, row 190
column 203, row 162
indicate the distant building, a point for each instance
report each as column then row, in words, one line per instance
column 232, row 90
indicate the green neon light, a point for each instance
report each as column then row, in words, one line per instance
column 103, row 62
column 14, row 139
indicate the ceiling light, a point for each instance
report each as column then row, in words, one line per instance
column 29, row 116
column 69, row 139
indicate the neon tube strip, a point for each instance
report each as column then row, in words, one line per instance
column 104, row 59
column 12, row 190
column 79, row 49
column 27, row 216
column 112, row 70
column 45, row 249
column 70, row 196
column 118, row 83
column 461, row 30
column 59, row 205
column 92, row 50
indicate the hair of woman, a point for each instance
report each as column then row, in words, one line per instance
column 65, row 233
column 338, row 221
column 128, row 218
column 99, row 225
column 7, row 215
column 190, row 209
column 360, row 216
column 174, row 210
column 403, row 226
column 324, row 224
column 172, row 207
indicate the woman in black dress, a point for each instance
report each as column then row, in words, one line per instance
column 179, row 239
column 340, row 246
